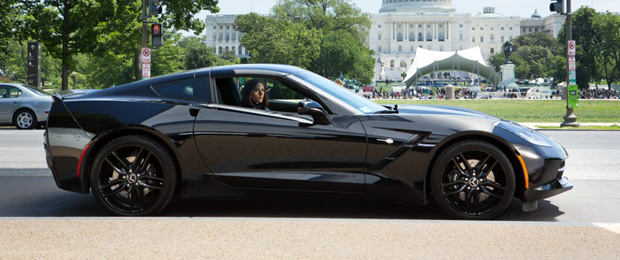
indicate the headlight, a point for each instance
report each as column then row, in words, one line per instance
column 529, row 135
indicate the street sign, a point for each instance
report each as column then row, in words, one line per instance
column 572, row 77
column 34, row 64
column 572, row 47
column 573, row 96
column 146, row 70
column 571, row 63
column 145, row 55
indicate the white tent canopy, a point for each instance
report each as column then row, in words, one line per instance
column 470, row 60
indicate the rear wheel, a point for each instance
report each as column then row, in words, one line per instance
column 133, row 176
column 24, row 119
column 473, row 180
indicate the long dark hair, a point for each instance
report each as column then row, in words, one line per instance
column 247, row 93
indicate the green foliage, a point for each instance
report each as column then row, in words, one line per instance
column 537, row 55
column 344, row 53
column 326, row 37
column 271, row 40
column 584, row 34
column 14, row 62
column 496, row 60
column 108, row 70
column 197, row 54
column 110, row 30
column 608, row 27
column 598, row 43
column 181, row 14
column 167, row 58
column 11, row 24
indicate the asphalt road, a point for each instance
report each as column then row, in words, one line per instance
column 40, row 221
column 27, row 189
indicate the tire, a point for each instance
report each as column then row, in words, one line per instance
column 133, row 176
column 473, row 180
column 24, row 119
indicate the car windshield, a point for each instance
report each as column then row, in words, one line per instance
column 360, row 103
column 37, row 91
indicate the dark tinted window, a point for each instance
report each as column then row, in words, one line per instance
column 196, row 90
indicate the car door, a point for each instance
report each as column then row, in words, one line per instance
column 9, row 100
column 282, row 150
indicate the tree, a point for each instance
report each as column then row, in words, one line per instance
column 14, row 62
column 344, row 31
column 325, row 36
column 108, row 28
column 271, row 40
column 534, row 57
column 197, row 54
column 607, row 27
column 11, row 23
column 169, row 57
column 587, row 45
column 343, row 53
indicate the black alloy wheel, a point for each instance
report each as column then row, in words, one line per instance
column 133, row 176
column 473, row 180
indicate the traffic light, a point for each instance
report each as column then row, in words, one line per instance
column 157, row 35
column 155, row 7
column 557, row 6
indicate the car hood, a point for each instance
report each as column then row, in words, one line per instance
column 443, row 110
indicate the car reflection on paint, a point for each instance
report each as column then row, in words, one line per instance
column 137, row 145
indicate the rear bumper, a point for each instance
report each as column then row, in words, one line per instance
column 64, row 176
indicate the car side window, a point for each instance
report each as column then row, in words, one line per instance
column 10, row 92
column 14, row 92
column 280, row 97
column 195, row 90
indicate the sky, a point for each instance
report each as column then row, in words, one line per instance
column 523, row 8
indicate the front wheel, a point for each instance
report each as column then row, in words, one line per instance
column 133, row 176
column 473, row 180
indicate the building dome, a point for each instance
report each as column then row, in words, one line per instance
column 413, row 6
column 536, row 15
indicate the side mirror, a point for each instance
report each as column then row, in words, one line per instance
column 315, row 110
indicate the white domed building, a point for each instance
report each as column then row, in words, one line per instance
column 402, row 26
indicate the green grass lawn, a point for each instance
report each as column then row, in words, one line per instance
column 540, row 111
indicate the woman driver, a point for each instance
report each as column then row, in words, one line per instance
column 255, row 95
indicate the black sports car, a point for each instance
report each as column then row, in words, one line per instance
column 138, row 145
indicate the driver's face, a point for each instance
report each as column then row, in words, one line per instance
column 258, row 93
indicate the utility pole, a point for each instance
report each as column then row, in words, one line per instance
column 571, row 91
column 570, row 119
column 145, row 38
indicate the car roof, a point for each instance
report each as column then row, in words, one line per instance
column 209, row 71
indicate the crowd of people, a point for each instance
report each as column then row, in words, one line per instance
column 597, row 93
column 464, row 93
column 424, row 93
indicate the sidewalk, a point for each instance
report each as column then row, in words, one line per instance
column 301, row 238
column 538, row 125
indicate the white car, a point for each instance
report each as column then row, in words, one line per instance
column 23, row 106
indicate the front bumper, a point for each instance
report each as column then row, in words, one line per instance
column 546, row 182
